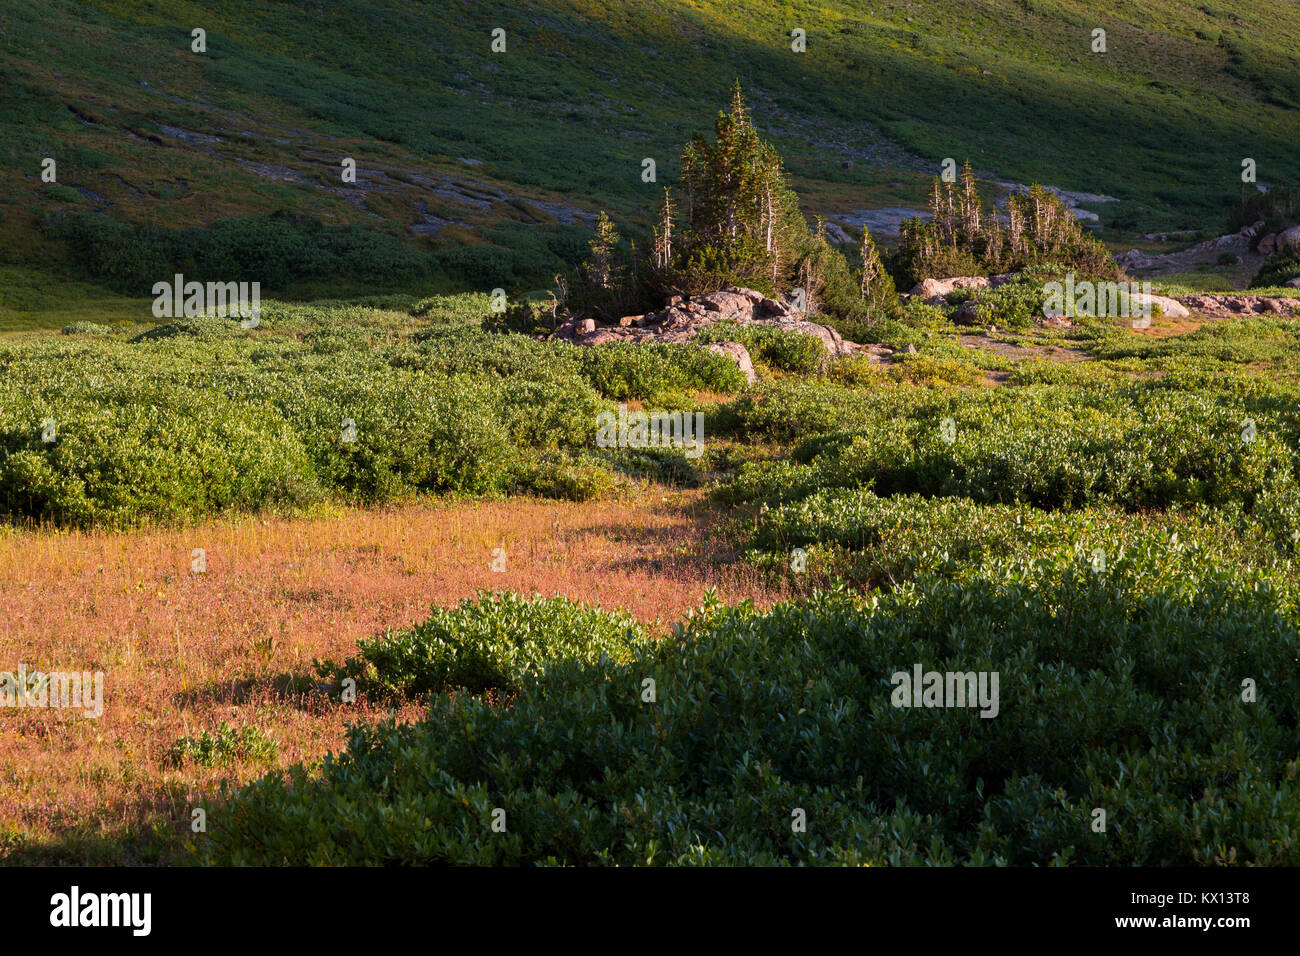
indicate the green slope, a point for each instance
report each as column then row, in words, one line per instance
column 454, row 141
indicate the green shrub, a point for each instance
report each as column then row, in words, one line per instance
column 1139, row 447
column 274, row 250
column 85, row 328
column 780, row 348
column 568, row 480
column 123, row 456
column 204, row 327
column 1110, row 695
column 923, row 369
column 886, row 542
column 223, row 747
column 622, row 371
column 1277, row 269
column 792, row 408
column 498, row 643
column 199, row 416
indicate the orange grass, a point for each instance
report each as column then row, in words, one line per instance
column 182, row 651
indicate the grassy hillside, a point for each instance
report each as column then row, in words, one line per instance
column 457, row 146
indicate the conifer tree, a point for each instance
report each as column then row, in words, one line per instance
column 871, row 265
column 662, row 249
column 969, row 205
column 741, row 216
column 599, row 266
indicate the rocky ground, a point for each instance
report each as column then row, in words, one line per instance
column 1243, row 245
column 684, row 318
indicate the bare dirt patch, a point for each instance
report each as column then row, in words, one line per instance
column 1048, row 353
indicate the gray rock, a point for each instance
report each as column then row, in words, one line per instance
column 728, row 304
column 1288, row 239
column 738, row 354
column 1134, row 259
column 1169, row 307
column 683, row 319
column 932, row 291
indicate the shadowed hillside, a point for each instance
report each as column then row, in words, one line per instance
column 495, row 163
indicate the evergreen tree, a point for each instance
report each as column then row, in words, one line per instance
column 743, row 220
column 871, row 265
column 875, row 284
column 599, row 267
column 662, row 248
column 969, row 206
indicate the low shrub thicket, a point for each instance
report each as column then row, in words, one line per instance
column 1139, row 447
column 1113, row 693
column 498, row 643
column 869, row 541
column 778, row 348
column 201, row 416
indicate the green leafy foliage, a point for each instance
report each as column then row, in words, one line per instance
column 1137, row 447
column 1279, row 269
column 779, row 348
column 498, row 643
column 224, row 746
column 1113, row 693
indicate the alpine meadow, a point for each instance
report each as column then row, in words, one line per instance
column 733, row 433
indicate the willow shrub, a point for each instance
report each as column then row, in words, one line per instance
column 1115, row 693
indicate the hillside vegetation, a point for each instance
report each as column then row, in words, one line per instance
column 481, row 163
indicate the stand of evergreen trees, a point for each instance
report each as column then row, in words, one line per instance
column 962, row 238
column 737, row 222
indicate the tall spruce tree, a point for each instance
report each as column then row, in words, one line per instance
column 742, row 218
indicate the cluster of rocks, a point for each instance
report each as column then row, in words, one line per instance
column 684, row 318
column 1288, row 240
column 1226, row 305
column 1239, row 243
column 934, row 291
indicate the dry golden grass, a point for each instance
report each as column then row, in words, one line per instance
column 183, row 651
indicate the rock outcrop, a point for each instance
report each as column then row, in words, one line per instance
column 738, row 354
column 1170, row 308
column 933, row 291
column 682, row 319
column 1135, row 259
column 1288, row 240
column 1228, row 305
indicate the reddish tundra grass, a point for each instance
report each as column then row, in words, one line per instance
column 184, row 651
